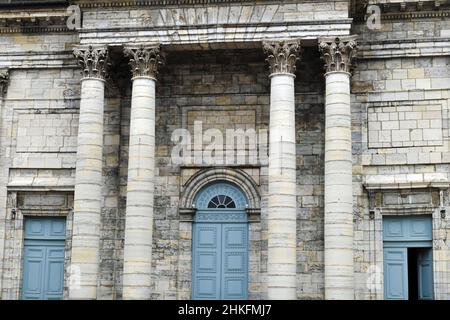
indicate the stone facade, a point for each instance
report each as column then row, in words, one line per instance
column 361, row 116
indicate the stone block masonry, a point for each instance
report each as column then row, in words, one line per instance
column 364, row 142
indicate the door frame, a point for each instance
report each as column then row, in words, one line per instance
column 196, row 179
column 37, row 243
column 221, row 223
column 16, row 227
column 405, row 244
column 221, row 216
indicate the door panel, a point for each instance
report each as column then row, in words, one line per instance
column 397, row 228
column 235, row 257
column 43, row 258
column 396, row 273
column 34, row 263
column 425, row 273
column 55, row 273
column 220, row 261
column 206, row 261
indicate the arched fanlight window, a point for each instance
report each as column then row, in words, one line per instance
column 221, row 195
column 222, row 202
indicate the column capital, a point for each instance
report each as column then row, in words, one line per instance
column 4, row 79
column 145, row 60
column 93, row 60
column 282, row 56
column 338, row 53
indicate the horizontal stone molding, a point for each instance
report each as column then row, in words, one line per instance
column 160, row 3
column 39, row 179
column 188, row 214
column 41, row 188
column 34, row 20
column 213, row 34
column 38, row 59
column 407, row 210
column 372, row 184
column 404, row 48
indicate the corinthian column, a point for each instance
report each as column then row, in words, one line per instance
column 282, row 240
column 88, row 180
column 337, row 54
column 137, row 269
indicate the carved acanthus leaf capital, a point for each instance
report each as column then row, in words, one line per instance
column 4, row 80
column 93, row 60
column 338, row 53
column 282, row 56
column 145, row 61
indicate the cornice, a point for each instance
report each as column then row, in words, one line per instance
column 33, row 21
column 424, row 9
column 36, row 29
column 415, row 15
column 164, row 3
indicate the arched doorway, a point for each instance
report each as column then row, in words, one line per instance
column 220, row 243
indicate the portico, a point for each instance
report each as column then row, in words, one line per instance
column 282, row 57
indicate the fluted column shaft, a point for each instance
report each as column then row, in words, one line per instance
column 282, row 202
column 88, row 179
column 339, row 272
column 141, row 165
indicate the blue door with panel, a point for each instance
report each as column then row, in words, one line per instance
column 396, row 273
column 220, row 244
column 425, row 271
column 404, row 236
column 43, row 258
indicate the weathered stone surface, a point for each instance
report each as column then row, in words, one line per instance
column 216, row 73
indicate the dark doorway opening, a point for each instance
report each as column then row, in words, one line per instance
column 413, row 275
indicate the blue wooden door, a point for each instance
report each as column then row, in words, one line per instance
column 396, row 273
column 234, row 261
column 43, row 259
column 425, row 273
column 207, row 261
column 220, row 245
column 220, row 261
column 401, row 233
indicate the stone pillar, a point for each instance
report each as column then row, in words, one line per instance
column 137, row 269
column 282, row 206
column 339, row 279
column 88, row 179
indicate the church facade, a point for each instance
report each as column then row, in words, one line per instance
column 225, row 149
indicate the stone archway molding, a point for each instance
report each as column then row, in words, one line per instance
column 205, row 177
